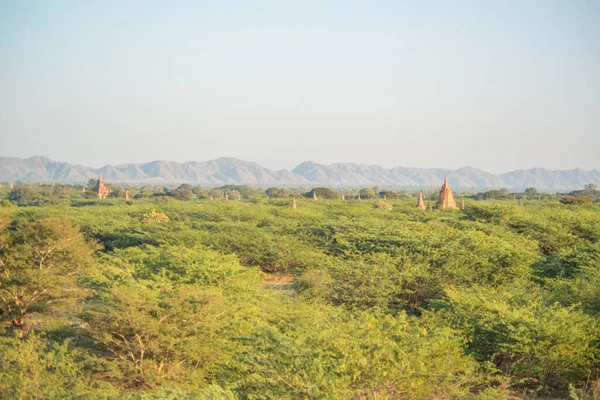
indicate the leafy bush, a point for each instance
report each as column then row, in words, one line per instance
column 155, row 216
column 181, row 194
column 543, row 344
column 492, row 303
column 382, row 205
column 279, row 193
column 34, row 369
column 367, row 193
column 323, row 193
column 31, row 196
column 575, row 200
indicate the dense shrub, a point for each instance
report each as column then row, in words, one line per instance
column 279, row 193
column 367, row 193
column 382, row 205
column 32, row 196
column 323, row 193
column 249, row 299
column 576, row 200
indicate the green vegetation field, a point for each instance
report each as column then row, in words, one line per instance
column 161, row 298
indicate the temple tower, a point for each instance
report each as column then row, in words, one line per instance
column 294, row 204
column 127, row 195
column 315, row 195
column 420, row 203
column 446, row 199
column 101, row 189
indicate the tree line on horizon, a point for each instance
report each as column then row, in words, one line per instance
column 38, row 194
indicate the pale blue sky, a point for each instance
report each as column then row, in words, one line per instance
column 498, row 85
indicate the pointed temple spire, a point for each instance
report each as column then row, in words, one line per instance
column 420, row 203
column 315, row 195
column 343, row 196
column 127, row 195
column 11, row 185
column 100, row 189
column 446, row 199
column 226, row 196
column 294, row 204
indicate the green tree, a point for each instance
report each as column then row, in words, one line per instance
column 155, row 331
column 181, row 194
column 91, row 183
column 323, row 193
column 392, row 194
column 278, row 193
column 531, row 193
column 31, row 196
column 575, row 200
column 493, row 194
column 216, row 194
column 185, row 186
column 40, row 262
column 367, row 193
column 245, row 191
column 117, row 193
column 199, row 192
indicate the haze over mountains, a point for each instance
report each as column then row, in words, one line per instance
column 234, row 171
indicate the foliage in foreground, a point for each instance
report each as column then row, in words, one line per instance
column 160, row 298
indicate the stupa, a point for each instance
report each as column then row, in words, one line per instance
column 446, row 199
column 101, row 189
column 420, row 203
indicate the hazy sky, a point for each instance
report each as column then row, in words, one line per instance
column 498, row 85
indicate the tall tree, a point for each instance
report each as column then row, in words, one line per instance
column 39, row 263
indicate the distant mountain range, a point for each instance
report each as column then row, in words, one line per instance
column 233, row 171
